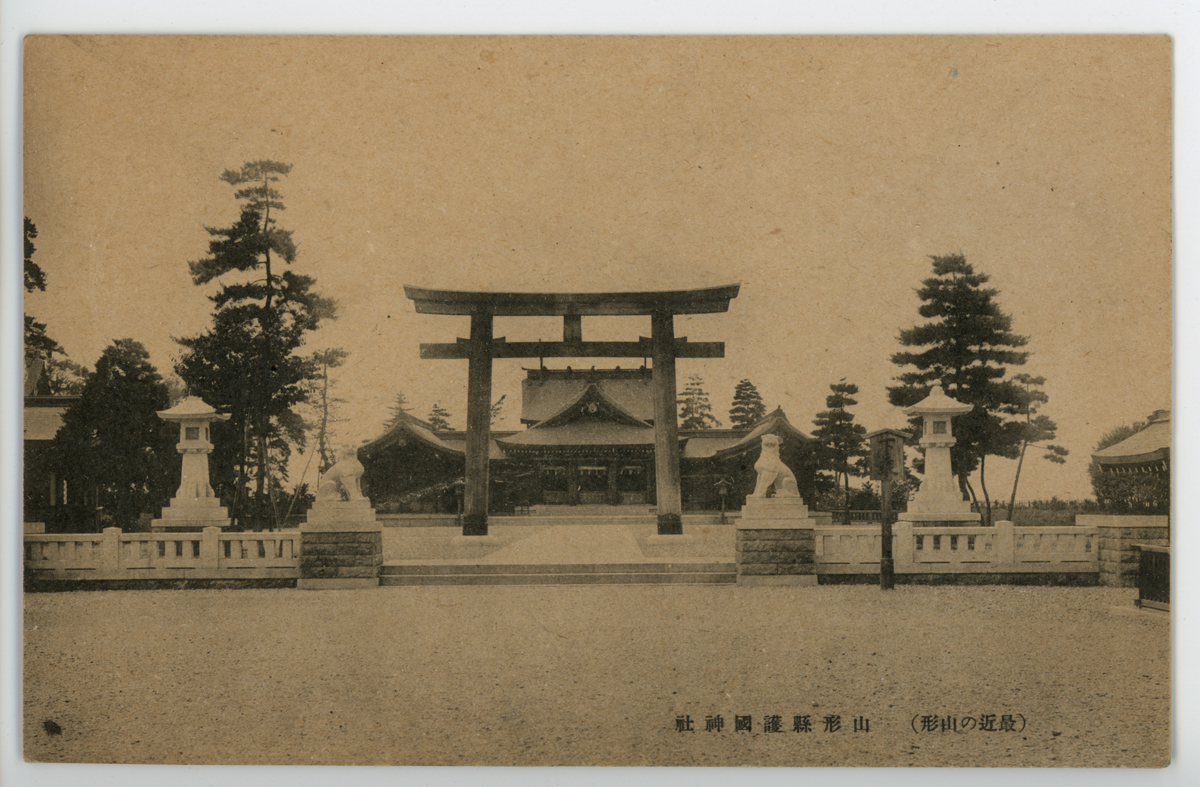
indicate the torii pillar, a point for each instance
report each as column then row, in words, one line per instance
column 661, row 346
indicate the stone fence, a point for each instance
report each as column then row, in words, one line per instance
column 1000, row 550
column 206, row 555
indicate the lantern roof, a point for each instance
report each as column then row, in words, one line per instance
column 193, row 408
column 937, row 403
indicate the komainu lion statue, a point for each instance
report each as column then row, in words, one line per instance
column 772, row 472
column 340, row 482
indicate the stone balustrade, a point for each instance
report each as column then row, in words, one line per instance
column 207, row 554
column 1002, row 549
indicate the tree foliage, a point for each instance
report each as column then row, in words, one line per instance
column 748, row 408
column 1034, row 430
column 248, row 363
column 497, row 409
column 112, row 447
column 1129, row 493
column 966, row 347
column 38, row 344
column 439, row 419
column 695, row 411
column 326, row 404
column 399, row 408
column 841, row 439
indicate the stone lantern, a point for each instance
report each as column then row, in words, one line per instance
column 939, row 499
column 195, row 506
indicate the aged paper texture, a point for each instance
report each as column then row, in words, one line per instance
column 821, row 175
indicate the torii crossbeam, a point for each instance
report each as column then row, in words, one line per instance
column 661, row 346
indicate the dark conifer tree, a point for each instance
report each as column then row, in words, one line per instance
column 748, row 408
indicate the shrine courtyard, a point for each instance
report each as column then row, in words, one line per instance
column 599, row 675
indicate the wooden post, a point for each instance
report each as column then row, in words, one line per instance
column 479, row 420
column 887, row 565
column 572, row 483
column 666, row 426
column 614, row 493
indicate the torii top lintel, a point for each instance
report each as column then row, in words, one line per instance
column 534, row 304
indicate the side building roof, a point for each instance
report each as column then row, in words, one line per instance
column 1148, row 448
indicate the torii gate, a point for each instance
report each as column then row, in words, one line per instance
column 662, row 347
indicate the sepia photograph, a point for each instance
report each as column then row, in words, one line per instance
column 581, row 400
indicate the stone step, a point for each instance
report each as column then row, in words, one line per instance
column 397, row 569
column 559, row 579
column 556, row 520
column 561, row 574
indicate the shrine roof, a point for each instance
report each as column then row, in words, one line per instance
column 447, row 442
column 529, row 304
column 582, row 432
column 43, row 422
column 1152, row 444
column 774, row 423
column 545, row 394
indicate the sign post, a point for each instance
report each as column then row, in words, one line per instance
column 887, row 464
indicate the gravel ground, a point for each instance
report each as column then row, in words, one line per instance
column 594, row 675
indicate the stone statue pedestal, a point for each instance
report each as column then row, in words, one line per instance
column 341, row 546
column 340, row 514
column 775, row 543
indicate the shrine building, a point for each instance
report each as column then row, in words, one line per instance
column 589, row 440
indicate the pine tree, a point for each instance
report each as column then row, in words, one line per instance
column 248, row 364
column 497, row 409
column 840, row 438
column 1034, row 430
column 967, row 347
column 400, row 408
column 695, row 411
column 439, row 419
column 326, row 404
column 748, row 408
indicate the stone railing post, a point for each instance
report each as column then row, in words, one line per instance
column 210, row 550
column 1005, row 540
column 110, row 552
column 1117, row 535
column 902, row 547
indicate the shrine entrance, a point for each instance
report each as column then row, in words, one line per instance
column 606, row 483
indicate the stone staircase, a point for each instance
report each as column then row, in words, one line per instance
column 646, row 573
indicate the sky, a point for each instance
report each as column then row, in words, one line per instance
column 820, row 173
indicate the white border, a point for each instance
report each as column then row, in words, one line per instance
column 1179, row 18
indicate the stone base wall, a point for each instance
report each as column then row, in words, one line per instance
column 330, row 558
column 776, row 553
column 1118, row 534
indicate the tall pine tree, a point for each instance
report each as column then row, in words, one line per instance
column 748, row 408
column 966, row 347
column 248, row 364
